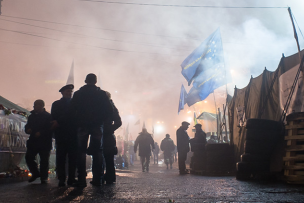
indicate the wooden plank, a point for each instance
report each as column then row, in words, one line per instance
column 294, row 167
column 294, row 158
column 294, row 178
column 294, row 137
column 289, row 154
column 295, row 148
column 299, row 173
column 295, row 126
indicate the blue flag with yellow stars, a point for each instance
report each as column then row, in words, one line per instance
column 193, row 96
column 196, row 62
column 210, row 73
column 182, row 99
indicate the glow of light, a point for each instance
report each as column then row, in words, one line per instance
column 189, row 119
column 29, row 175
column 174, row 126
column 162, row 121
column 231, row 71
column 205, row 101
column 116, row 91
column 159, row 129
column 158, row 122
column 189, row 112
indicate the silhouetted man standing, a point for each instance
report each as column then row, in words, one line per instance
column 91, row 107
column 167, row 146
column 145, row 142
column 65, row 135
column 40, row 141
column 109, row 148
column 182, row 139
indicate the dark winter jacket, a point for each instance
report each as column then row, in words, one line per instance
column 110, row 125
column 39, row 122
column 182, row 140
column 60, row 112
column 145, row 142
column 167, row 146
column 91, row 106
column 200, row 136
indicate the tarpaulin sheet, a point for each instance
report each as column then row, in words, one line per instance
column 259, row 99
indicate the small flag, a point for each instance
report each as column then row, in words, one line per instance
column 182, row 99
column 137, row 122
column 194, row 119
column 71, row 75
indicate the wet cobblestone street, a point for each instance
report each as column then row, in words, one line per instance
column 159, row 185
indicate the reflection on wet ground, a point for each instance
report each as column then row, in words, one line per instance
column 158, row 185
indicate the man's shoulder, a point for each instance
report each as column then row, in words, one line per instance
column 179, row 130
column 46, row 114
column 56, row 103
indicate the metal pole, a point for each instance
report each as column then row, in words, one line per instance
column 225, row 125
column 0, row 7
column 217, row 123
column 295, row 33
column 219, row 136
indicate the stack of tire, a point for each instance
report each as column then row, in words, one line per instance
column 261, row 138
column 219, row 159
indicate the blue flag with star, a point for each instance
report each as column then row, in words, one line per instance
column 195, row 63
column 182, row 99
column 193, row 96
column 210, row 73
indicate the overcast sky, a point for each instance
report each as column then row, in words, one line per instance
column 137, row 50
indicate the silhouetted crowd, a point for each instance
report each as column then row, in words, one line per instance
column 84, row 125
column 89, row 114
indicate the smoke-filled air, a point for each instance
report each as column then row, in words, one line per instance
column 136, row 51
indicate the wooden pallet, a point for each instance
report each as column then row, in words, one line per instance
column 294, row 159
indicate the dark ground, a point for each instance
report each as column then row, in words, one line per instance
column 159, row 185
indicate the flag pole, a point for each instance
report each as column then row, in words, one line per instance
column 217, row 118
column 224, row 65
column 295, row 34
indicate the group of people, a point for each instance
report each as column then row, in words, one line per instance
column 89, row 113
column 183, row 142
column 145, row 143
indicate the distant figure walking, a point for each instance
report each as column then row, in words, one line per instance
column 40, row 141
column 91, row 107
column 183, row 148
column 131, row 152
column 167, row 146
column 145, row 142
column 175, row 153
column 66, row 136
column 156, row 152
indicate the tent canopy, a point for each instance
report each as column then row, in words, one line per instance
column 259, row 99
column 207, row 116
column 8, row 104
